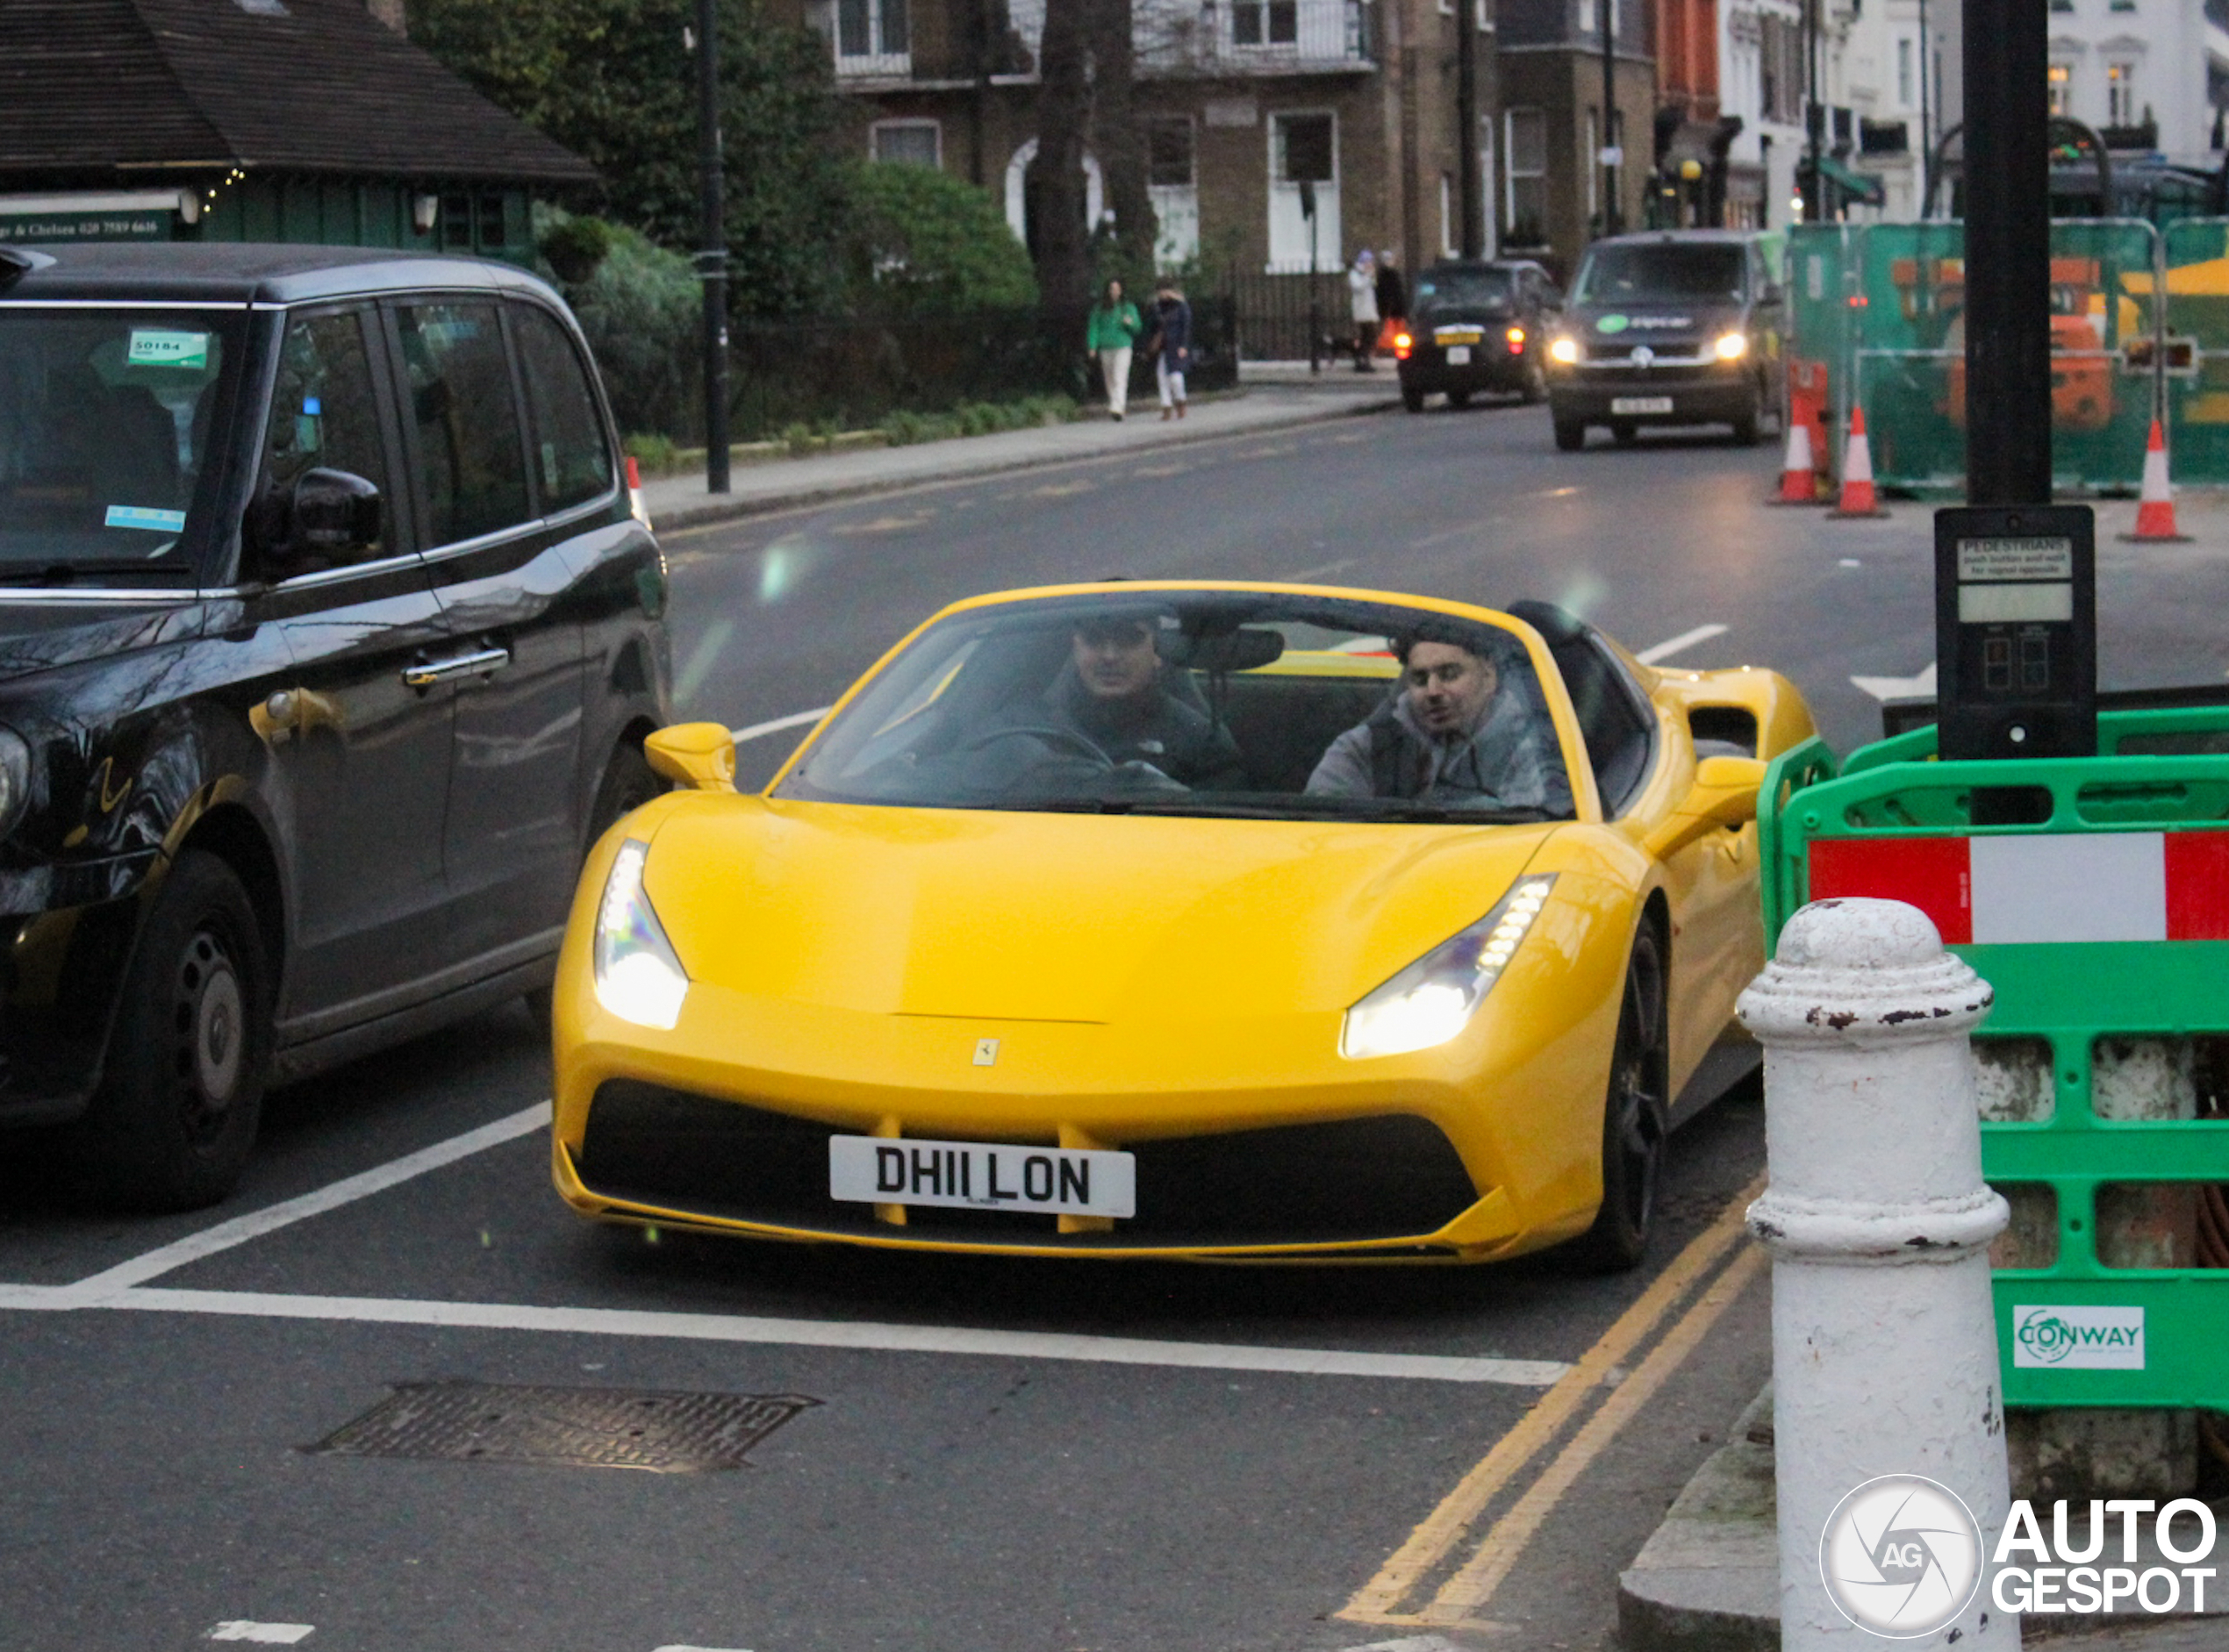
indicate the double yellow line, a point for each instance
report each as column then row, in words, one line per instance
column 1465, row 1593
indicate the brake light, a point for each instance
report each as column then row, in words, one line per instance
column 1515, row 335
column 1402, row 345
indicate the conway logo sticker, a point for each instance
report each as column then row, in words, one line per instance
column 2079, row 1338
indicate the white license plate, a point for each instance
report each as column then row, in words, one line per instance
column 982, row 1176
column 1458, row 355
column 1640, row 403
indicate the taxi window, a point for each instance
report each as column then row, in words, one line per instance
column 467, row 421
column 108, row 424
column 1258, row 705
column 324, row 412
column 572, row 458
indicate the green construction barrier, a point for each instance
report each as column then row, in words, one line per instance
column 2197, row 353
column 1894, row 821
column 1894, row 335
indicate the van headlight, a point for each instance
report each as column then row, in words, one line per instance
column 1732, row 346
column 15, row 779
column 1434, row 999
column 638, row 978
column 1565, row 351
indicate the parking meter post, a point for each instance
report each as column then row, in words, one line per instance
column 2016, row 637
column 1315, row 298
column 2008, row 254
column 711, row 260
column 1879, row 1224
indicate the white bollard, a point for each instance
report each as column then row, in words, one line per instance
column 1886, row 1389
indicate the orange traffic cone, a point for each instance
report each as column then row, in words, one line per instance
column 2155, row 509
column 1858, row 496
column 1798, row 482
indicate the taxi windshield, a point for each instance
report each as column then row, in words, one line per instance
column 1637, row 273
column 106, row 421
column 1462, row 289
column 1251, row 704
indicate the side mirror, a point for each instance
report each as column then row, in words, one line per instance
column 335, row 515
column 699, row 755
column 1723, row 796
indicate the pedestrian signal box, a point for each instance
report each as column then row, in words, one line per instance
column 2015, row 632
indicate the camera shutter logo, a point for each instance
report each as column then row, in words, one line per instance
column 1901, row 1557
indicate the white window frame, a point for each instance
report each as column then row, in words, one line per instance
column 1330, row 252
column 2120, row 87
column 909, row 124
column 1511, row 175
column 879, row 58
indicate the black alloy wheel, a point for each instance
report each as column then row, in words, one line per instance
column 182, row 1091
column 1633, row 1117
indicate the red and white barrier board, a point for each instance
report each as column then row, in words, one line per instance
column 2042, row 886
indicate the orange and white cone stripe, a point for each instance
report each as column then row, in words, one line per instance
column 2042, row 887
column 1859, row 497
column 1798, row 482
column 2155, row 508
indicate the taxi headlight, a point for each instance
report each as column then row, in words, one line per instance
column 638, row 978
column 15, row 779
column 1434, row 999
column 1565, row 351
column 1732, row 345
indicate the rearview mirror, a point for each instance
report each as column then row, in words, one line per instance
column 699, row 755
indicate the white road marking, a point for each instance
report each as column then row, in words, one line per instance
column 140, row 1269
column 1911, row 688
column 267, row 1634
column 901, row 1339
column 1407, row 1643
column 1686, row 640
column 703, row 1649
column 1307, row 573
column 757, row 731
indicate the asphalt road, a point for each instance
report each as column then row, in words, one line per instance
column 965, row 1492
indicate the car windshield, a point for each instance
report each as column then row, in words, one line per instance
column 1236, row 703
column 1637, row 273
column 106, row 422
column 1464, row 290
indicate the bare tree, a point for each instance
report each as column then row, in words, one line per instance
column 1054, row 185
column 1119, row 138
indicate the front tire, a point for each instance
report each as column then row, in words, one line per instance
column 183, row 1093
column 1571, row 435
column 1633, row 1116
column 1412, row 398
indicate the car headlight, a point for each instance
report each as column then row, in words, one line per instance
column 1434, row 999
column 638, row 978
column 1732, row 345
column 1565, row 351
column 15, row 779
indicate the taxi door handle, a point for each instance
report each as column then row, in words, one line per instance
column 479, row 663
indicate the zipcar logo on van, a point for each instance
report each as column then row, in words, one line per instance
column 2079, row 1338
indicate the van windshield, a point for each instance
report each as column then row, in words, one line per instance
column 107, row 422
column 1641, row 272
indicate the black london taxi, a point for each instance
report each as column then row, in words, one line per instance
column 1670, row 327
column 1476, row 327
column 329, row 633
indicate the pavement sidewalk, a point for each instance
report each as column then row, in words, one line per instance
column 782, row 484
column 1708, row 1579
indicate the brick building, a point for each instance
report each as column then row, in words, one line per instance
column 1552, row 95
column 1244, row 100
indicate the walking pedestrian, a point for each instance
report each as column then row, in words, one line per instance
column 1172, row 346
column 1362, row 289
column 1111, row 334
column 1392, row 289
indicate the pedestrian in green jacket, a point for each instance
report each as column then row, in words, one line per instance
column 1110, row 335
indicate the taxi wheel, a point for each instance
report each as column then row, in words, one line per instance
column 1412, row 398
column 1632, row 1119
column 175, row 1116
column 1571, row 435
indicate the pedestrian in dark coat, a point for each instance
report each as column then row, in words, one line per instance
column 1172, row 346
column 1392, row 289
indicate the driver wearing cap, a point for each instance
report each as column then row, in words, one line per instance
column 1454, row 734
column 1114, row 696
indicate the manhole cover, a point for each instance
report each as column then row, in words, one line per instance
column 588, row 1427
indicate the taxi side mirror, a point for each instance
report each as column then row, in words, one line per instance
column 1723, row 796
column 699, row 755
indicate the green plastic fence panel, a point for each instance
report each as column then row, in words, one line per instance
column 1820, row 260
column 1894, row 821
column 2196, row 358
column 1912, row 352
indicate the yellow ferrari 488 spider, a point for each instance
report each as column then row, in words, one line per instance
column 1183, row 920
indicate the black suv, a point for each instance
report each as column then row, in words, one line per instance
column 328, row 637
column 1674, row 327
column 1476, row 326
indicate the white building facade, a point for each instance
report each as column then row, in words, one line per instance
column 2148, row 73
column 1761, row 79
